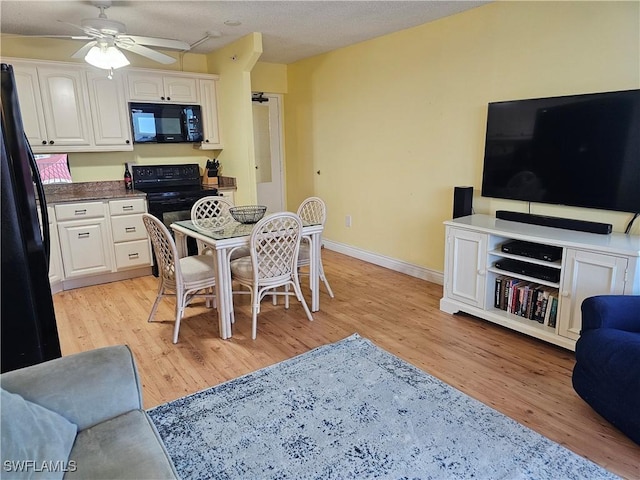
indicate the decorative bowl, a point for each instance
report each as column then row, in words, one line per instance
column 248, row 213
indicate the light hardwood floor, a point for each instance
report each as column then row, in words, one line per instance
column 526, row 379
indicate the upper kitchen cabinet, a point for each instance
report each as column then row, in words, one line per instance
column 69, row 107
column 161, row 87
column 109, row 115
column 54, row 106
column 209, row 104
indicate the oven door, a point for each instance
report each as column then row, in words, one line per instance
column 171, row 211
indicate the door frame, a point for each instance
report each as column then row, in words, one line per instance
column 280, row 133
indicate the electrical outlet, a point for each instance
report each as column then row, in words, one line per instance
column 347, row 221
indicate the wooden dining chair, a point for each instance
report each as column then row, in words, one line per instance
column 312, row 211
column 274, row 245
column 182, row 278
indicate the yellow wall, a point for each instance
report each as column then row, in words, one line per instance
column 269, row 78
column 393, row 124
column 234, row 63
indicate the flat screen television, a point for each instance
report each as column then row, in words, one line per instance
column 578, row 150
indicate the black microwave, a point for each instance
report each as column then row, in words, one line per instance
column 165, row 123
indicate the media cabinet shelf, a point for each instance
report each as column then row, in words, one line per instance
column 591, row 264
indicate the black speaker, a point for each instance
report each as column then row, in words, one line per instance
column 462, row 201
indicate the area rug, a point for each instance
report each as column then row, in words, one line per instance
column 350, row 410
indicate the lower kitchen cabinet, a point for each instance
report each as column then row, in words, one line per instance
column 56, row 274
column 99, row 242
column 85, row 247
column 130, row 241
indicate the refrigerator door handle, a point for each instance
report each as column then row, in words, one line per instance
column 42, row 202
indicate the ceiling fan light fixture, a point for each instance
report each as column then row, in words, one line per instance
column 106, row 57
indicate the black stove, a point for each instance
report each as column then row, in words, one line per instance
column 171, row 192
column 169, row 181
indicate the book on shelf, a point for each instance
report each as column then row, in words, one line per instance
column 498, row 291
column 526, row 299
column 553, row 309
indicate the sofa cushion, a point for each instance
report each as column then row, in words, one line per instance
column 127, row 446
column 36, row 436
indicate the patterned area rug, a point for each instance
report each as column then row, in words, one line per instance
column 351, row 410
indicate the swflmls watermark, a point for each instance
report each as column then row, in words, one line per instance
column 39, row 466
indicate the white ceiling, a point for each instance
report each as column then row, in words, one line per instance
column 291, row 30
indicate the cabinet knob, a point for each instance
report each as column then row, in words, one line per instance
column 44, row 142
column 206, row 141
column 127, row 142
column 161, row 98
column 168, row 98
column 51, row 142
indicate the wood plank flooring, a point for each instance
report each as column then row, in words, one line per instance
column 526, row 379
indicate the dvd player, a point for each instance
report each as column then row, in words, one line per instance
column 529, row 269
column 532, row 250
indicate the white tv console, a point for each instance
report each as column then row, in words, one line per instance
column 591, row 264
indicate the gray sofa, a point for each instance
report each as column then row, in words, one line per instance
column 92, row 414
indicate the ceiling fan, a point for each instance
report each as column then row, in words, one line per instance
column 107, row 36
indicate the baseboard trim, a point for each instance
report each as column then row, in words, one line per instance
column 387, row 262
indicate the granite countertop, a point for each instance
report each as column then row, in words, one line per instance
column 105, row 190
column 83, row 191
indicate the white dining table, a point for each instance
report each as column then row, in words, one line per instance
column 222, row 241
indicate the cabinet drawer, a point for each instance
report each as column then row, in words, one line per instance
column 126, row 207
column 128, row 227
column 75, row 211
column 132, row 254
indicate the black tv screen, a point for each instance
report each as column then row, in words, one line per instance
column 579, row 150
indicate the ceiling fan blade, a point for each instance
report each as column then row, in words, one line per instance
column 92, row 32
column 70, row 37
column 84, row 50
column 146, row 52
column 157, row 42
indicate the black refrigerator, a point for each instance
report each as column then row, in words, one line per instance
column 29, row 333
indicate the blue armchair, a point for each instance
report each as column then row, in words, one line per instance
column 607, row 370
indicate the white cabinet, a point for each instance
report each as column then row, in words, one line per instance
column 54, row 106
column 85, row 242
column 209, row 104
column 465, row 270
column 586, row 274
column 130, row 241
column 161, row 87
column 590, row 264
column 56, row 274
column 109, row 113
column 228, row 193
column 71, row 107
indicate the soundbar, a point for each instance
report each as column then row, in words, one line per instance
column 556, row 222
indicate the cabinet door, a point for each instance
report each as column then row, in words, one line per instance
column 465, row 265
column 85, row 247
column 180, row 89
column 65, row 105
column 228, row 194
column 587, row 274
column 209, row 105
column 145, row 87
column 28, row 88
column 109, row 114
column 56, row 274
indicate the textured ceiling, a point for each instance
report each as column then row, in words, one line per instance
column 292, row 30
